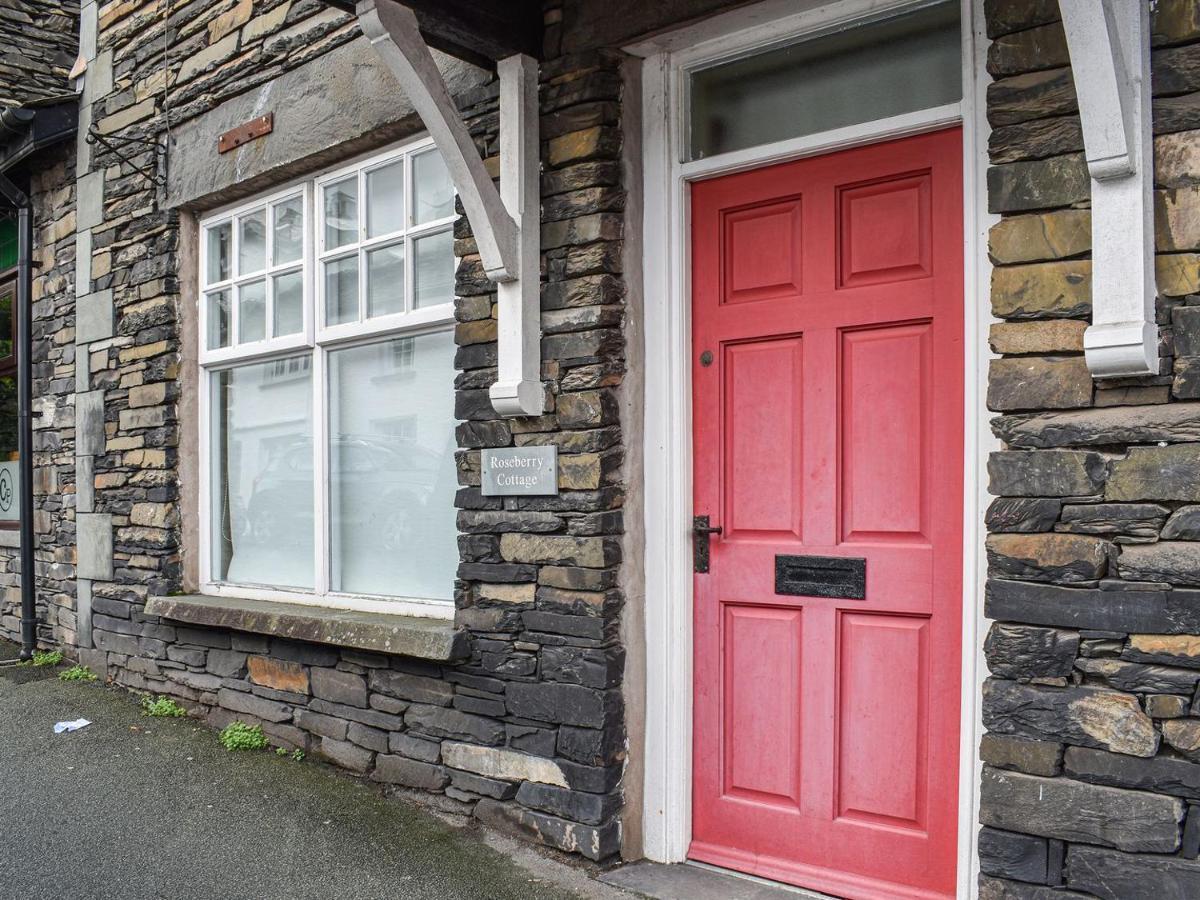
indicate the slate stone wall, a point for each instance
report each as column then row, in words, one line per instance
column 52, row 189
column 1091, row 780
column 40, row 43
column 1092, row 760
column 527, row 732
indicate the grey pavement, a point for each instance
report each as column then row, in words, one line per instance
column 134, row 808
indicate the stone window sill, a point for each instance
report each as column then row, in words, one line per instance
column 433, row 639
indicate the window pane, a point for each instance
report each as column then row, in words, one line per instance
column 433, row 195
column 433, row 277
column 341, row 291
column 385, row 280
column 392, row 473
column 252, row 312
column 10, row 508
column 385, row 199
column 8, row 297
column 8, row 243
column 218, row 319
column 289, row 231
column 884, row 68
column 289, row 303
column 341, row 213
column 219, row 248
column 252, row 243
column 262, row 504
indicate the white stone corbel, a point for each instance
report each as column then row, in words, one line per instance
column 1109, row 46
column 506, row 222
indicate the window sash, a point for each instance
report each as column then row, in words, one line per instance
column 319, row 341
column 236, row 350
column 406, row 236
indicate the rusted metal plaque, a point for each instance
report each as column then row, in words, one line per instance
column 248, row 131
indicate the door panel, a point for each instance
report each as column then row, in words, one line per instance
column 763, row 485
column 828, row 422
column 881, row 719
column 762, row 258
column 762, row 735
column 883, row 231
column 885, row 388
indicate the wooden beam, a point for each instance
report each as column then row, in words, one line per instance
column 1109, row 45
column 390, row 27
column 506, row 222
column 518, row 388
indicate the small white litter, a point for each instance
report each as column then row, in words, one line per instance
column 60, row 727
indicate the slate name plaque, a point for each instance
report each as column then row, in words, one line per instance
column 839, row 577
column 520, row 471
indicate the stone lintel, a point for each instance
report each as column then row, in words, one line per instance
column 414, row 636
column 341, row 103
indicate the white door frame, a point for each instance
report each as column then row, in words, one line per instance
column 667, row 806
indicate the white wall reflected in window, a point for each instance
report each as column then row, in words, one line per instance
column 262, row 456
column 391, row 467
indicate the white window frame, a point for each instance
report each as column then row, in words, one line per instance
column 317, row 340
column 237, row 350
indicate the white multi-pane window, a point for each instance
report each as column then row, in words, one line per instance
column 327, row 415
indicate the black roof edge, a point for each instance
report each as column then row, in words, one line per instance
column 26, row 130
column 475, row 31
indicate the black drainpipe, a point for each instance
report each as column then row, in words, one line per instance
column 20, row 200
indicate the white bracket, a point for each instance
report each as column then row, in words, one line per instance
column 506, row 223
column 1109, row 46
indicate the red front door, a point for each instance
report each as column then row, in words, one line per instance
column 828, row 374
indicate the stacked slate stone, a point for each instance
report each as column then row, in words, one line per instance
column 53, row 195
column 40, row 43
column 154, row 64
column 539, row 579
column 41, row 40
column 526, row 730
column 1091, row 779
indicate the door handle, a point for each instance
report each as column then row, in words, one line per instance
column 701, row 530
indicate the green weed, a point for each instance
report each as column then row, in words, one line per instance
column 162, row 708
column 240, row 736
column 77, row 673
column 44, row 658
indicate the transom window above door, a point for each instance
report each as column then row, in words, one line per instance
column 327, row 376
column 859, row 71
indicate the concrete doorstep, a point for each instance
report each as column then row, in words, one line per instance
column 692, row 881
